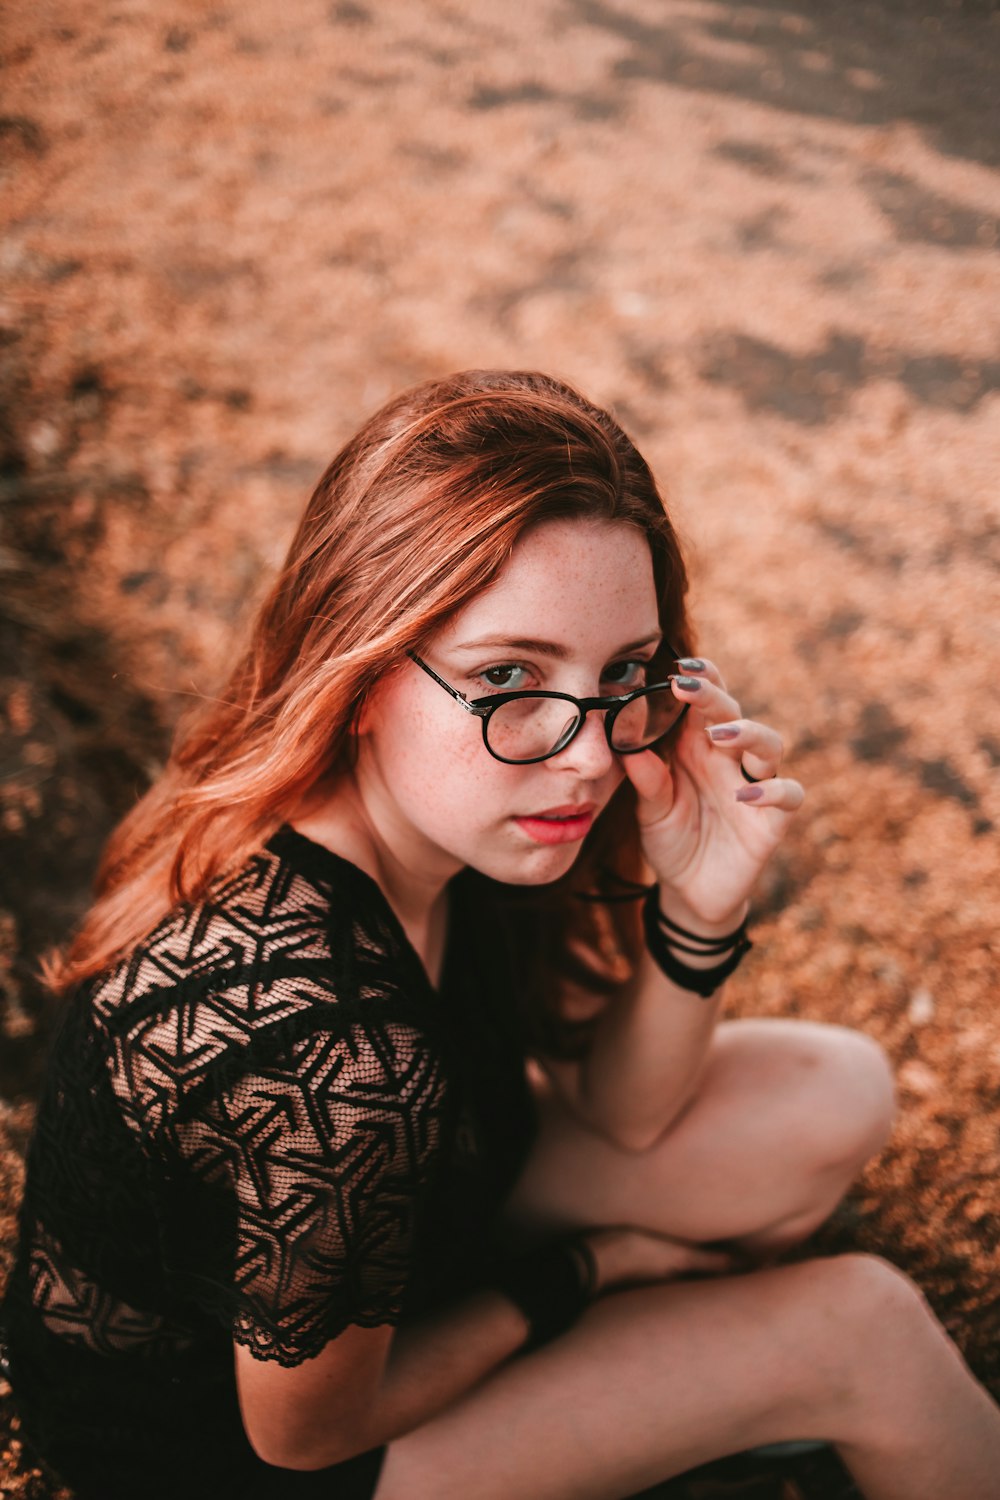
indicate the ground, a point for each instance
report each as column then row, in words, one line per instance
column 765, row 234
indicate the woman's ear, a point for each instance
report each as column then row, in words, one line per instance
column 369, row 704
column 361, row 717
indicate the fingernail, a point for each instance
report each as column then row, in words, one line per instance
column 688, row 684
column 691, row 664
column 749, row 793
column 724, row 732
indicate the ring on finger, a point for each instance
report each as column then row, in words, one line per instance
column 755, row 779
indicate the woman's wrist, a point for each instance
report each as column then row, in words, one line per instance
column 549, row 1285
column 692, row 959
column 687, row 920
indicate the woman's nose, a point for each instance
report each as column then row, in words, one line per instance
column 589, row 752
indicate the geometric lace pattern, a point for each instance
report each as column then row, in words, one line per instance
column 257, row 1095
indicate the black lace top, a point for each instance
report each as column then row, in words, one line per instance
column 263, row 1125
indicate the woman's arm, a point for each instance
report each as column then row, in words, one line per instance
column 706, row 835
column 648, row 1047
column 370, row 1385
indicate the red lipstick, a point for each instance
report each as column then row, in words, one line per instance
column 559, row 825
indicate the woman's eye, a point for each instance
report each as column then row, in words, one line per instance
column 626, row 673
column 507, row 676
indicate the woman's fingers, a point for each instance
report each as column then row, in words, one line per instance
column 708, row 697
column 653, row 781
column 700, row 666
column 780, row 791
column 693, row 1260
column 628, row 1257
column 757, row 746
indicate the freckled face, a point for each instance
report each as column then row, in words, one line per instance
column 431, row 789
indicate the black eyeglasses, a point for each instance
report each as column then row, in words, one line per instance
column 521, row 728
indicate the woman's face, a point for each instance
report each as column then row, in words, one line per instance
column 574, row 611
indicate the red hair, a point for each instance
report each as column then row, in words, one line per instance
column 414, row 516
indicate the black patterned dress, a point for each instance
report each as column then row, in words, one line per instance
column 264, row 1125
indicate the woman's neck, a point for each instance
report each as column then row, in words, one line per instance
column 337, row 818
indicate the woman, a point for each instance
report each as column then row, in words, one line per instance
column 288, row 1150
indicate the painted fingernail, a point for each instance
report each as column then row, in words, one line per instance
column 691, row 663
column 749, row 793
column 688, row 684
column 724, row 732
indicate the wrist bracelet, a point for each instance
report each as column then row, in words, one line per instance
column 659, row 928
column 551, row 1286
column 704, row 944
column 703, row 982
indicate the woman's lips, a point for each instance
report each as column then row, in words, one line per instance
column 558, row 825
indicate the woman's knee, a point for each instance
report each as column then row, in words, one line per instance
column 866, row 1314
column 878, row 1293
column 843, row 1093
column 861, row 1094
column 893, row 1349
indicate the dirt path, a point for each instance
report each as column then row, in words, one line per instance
column 766, row 234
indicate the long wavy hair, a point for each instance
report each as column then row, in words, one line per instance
column 415, row 515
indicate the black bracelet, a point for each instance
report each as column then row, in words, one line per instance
column 551, row 1286
column 632, row 891
column 704, row 944
column 703, row 982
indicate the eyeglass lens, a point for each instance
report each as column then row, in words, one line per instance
column 530, row 728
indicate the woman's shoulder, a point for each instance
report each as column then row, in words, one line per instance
column 295, row 946
column 250, row 924
column 292, row 911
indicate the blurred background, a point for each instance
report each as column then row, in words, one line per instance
column 765, row 234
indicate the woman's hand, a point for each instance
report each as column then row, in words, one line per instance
column 705, row 830
column 635, row 1257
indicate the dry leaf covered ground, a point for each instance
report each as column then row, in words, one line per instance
column 766, row 234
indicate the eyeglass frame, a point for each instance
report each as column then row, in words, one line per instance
column 484, row 708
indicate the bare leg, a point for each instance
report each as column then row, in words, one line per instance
column 655, row 1381
column 786, row 1115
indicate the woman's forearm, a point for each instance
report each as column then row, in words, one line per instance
column 362, row 1391
column 646, row 1058
column 434, row 1362
column 650, row 1045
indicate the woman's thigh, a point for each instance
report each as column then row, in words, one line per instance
column 654, row 1381
column 785, row 1114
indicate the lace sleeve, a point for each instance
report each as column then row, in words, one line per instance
column 329, row 1152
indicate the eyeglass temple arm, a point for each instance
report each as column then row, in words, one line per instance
column 480, row 710
column 479, row 713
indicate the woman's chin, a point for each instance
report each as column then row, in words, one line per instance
column 540, row 866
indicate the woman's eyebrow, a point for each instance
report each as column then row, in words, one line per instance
column 547, row 648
